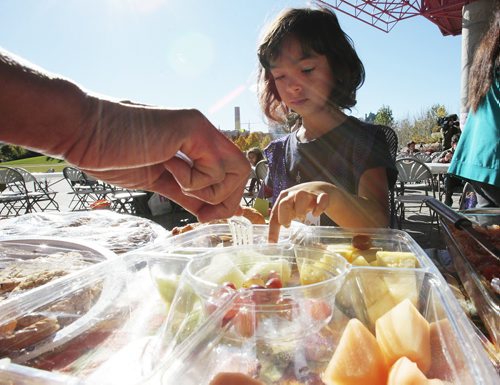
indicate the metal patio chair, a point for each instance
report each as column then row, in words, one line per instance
column 125, row 200
column 42, row 197
column 392, row 143
column 14, row 199
column 416, row 182
column 85, row 190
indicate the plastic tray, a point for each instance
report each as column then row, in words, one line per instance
column 485, row 300
column 109, row 343
column 117, row 232
column 129, row 341
column 29, row 262
column 195, row 357
column 205, row 238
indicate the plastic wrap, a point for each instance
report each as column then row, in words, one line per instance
column 119, row 233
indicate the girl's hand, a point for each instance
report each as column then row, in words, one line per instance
column 295, row 203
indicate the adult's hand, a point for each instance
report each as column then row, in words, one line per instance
column 133, row 146
column 208, row 180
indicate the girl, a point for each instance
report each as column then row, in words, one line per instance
column 329, row 162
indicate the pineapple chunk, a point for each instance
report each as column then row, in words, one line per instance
column 342, row 249
column 370, row 254
column 360, row 261
column 396, row 259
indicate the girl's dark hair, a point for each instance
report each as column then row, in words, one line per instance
column 486, row 64
column 317, row 30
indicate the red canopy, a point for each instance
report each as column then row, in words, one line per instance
column 384, row 15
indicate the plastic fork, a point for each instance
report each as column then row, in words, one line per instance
column 241, row 230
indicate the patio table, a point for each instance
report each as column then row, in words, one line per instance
column 437, row 170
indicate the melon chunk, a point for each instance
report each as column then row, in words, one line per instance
column 281, row 266
column 357, row 360
column 403, row 331
column 406, row 372
column 222, row 269
column 448, row 361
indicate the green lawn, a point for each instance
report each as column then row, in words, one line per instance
column 37, row 164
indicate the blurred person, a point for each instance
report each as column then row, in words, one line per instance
column 254, row 156
column 451, row 183
column 129, row 145
column 477, row 156
column 450, row 126
column 309, row 74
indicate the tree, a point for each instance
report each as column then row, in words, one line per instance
column 384, row 117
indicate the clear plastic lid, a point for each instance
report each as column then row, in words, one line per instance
column 119, row 233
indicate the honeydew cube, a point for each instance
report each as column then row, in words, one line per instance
column 222, row 269
column 357, row 360
column 396, row 259
column 280, row 266
column 403, row 331
column 167, row 286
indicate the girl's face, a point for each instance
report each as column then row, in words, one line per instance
column 304, row 81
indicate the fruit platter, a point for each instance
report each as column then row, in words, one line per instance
column 347, row 307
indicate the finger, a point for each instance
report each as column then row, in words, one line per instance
column 212, row 188
column 220, row 191
column 286, row 210
column 304, row 203
column 274, row 226
column 322, row 203
column 194, row 176
column 225, row 209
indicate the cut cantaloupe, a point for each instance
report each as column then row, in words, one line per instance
column 357, row 360
column 233, row 379
column 406, row 372
column 403, row 331
column 448, row 362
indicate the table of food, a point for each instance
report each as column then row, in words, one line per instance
column 322, row 306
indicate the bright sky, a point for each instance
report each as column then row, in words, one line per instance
column 202, row 54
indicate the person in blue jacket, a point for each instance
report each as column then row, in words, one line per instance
column 477, row 157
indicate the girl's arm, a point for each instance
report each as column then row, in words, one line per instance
column 367, row 209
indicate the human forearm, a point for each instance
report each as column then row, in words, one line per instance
column 348, row 210
column 37, row 109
